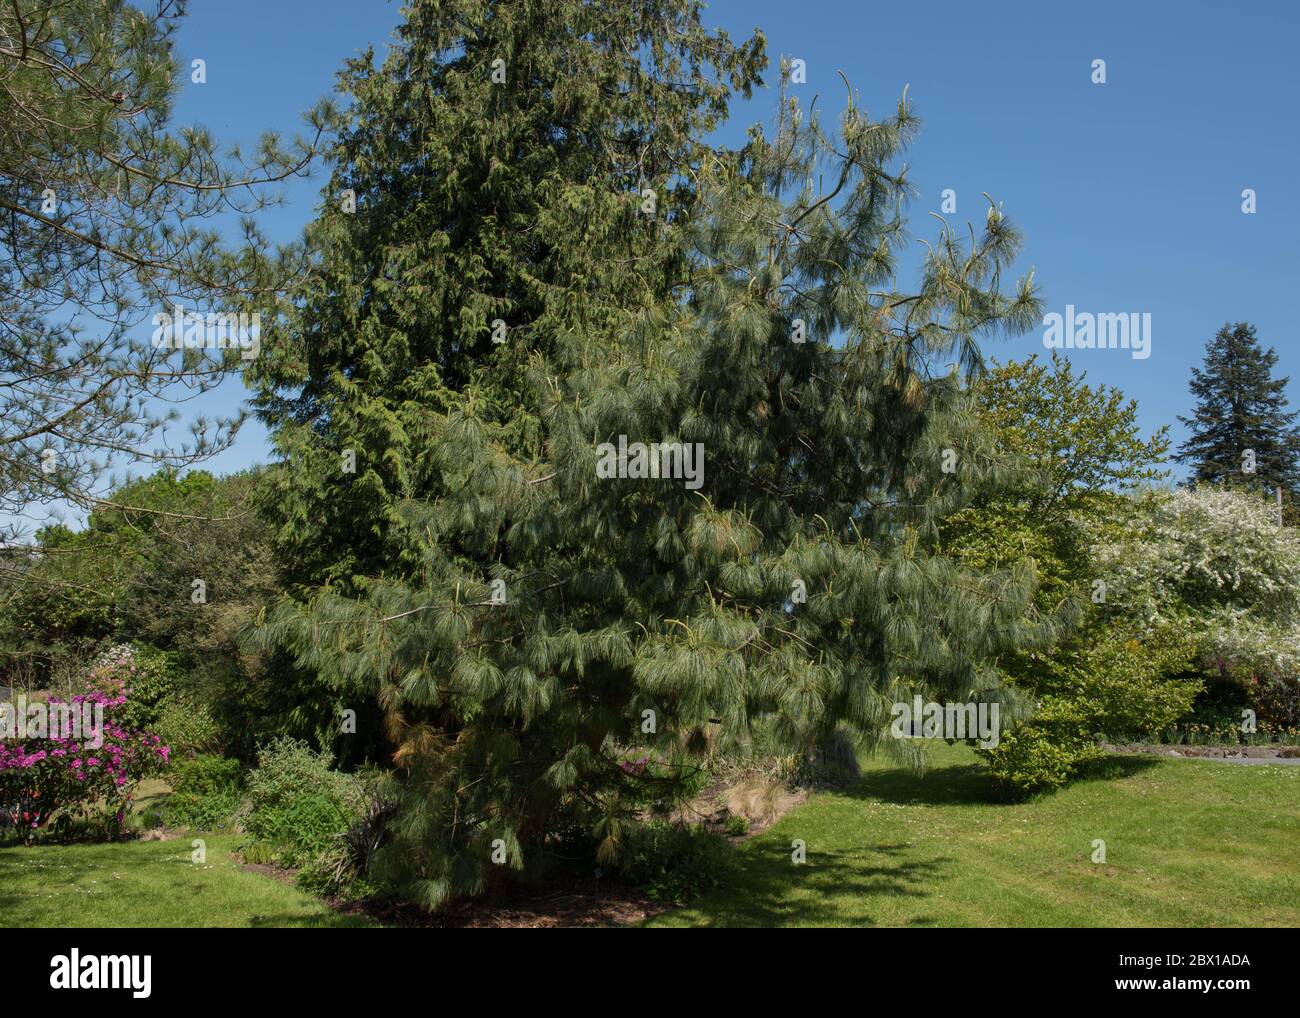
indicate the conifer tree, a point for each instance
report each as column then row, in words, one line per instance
column 1241, row 431
column 487, row 202
column 554, row 625
column 107, row 217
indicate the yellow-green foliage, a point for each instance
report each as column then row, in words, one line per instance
column 1113, row 687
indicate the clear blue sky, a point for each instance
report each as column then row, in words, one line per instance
column 1129, row 193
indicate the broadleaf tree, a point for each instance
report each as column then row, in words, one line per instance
column 1083, row 482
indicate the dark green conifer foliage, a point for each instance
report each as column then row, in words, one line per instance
column 1240, row 406
column 515, row 707
column 498, row 161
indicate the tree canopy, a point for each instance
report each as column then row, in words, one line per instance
column 110, row 215
column 526, row 621
column 1241, row 431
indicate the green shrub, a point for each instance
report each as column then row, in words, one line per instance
column 1217, row 716
column 345, row 867
column 1114, row 686
column 298, row 803
column 206, row 774
column 211, row 812
column 321, row 875
column 188, row 727
column 1042, row 754
column 155, row 676
column 206, row 793
column 305, row 828
column 1277, row 702
column 675, row 862
column 259, row 853
column 334, row 873
column 161, row 700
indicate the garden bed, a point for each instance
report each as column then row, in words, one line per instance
column 1281, row 753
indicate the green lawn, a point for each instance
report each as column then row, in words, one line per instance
column 148, row 883
column 1188, row 843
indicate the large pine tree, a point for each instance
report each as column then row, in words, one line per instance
column 1241, row 409
column 109, row 215
column 534, row 629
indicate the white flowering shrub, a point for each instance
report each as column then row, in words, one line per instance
column 1215, row 562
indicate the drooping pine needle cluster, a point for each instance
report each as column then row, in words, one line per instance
column 524, row 625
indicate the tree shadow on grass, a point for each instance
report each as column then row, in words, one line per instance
column 1113, row 768
column 850, row 887
column 956, row 785
column 970, row 784
column 831, row 888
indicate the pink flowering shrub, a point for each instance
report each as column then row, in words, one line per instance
column 62, row 782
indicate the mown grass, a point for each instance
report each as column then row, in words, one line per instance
column 1188, row 843
column 149, row 884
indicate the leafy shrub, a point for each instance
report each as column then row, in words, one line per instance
column 1042, row 753
column 66, row 785
column 204, row 775
column 160, row 700
column 326, row 874
column 152, row 677
column 1105, row 686
column 345, row 867
column 259, row 853
column 1134, row 686
column 1202, row 587
column 206, row 792
column 298, row 803
column 306, row 827
column 210, row 812
column 1217, row 716
column 188, row 727
column 1276, row 701
column 1213, row 562
column 675, row 862
column 337, row 872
